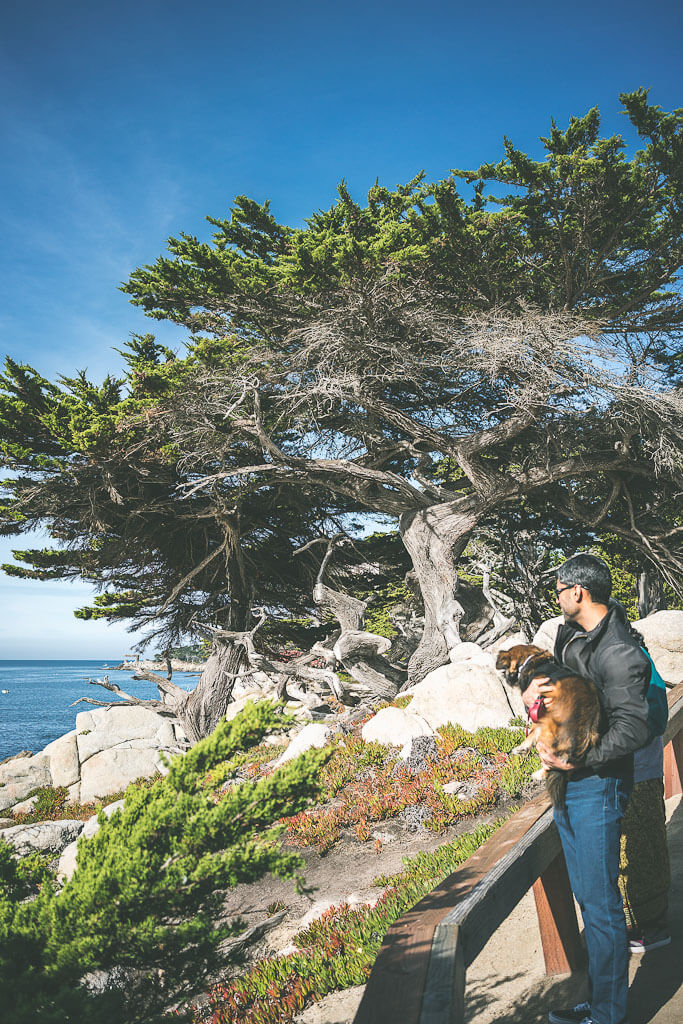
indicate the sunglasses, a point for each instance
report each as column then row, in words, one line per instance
column 562, row 589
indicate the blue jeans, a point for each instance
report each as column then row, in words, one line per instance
column 590, row 827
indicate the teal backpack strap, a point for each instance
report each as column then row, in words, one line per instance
column 658, row 706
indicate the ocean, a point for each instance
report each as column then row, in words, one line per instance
column 35, row 698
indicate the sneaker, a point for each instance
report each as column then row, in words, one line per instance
column 649, row 940
column 579, row 1014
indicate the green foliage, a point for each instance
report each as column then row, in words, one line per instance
column 147, row 886
column 50, row 803
column 21, row 877
column 624, row 579
column 189, row 652
column 516, row 772
column 378, row 615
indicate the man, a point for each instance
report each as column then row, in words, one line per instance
column 596, row 640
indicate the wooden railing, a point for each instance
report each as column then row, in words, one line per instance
column 419, row 974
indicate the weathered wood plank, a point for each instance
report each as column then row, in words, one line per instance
column 498, row 892
column 396, row 984
column 444, row 996
column 673, row 744
column 673, row 767
column 675, row 723
column 562, row 950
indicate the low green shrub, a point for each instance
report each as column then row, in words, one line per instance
column 517, row 772
column 148, row 886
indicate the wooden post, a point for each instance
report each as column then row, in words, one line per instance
column 559, row 928
column 673, row 766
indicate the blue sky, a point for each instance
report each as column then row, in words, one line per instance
column 123, row 123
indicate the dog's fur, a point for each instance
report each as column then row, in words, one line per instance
column 572, row 722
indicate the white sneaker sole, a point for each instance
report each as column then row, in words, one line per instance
column 639, row 950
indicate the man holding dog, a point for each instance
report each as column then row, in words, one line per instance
column 596, row 641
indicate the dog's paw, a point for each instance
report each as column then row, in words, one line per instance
column 539, row 775
column 523, row 748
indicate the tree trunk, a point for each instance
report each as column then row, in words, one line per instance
column 435, row 538
column 209, row 700
column 361, row 653
column 650, row 594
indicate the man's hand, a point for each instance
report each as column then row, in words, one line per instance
column 539, row 688
column 550, row 761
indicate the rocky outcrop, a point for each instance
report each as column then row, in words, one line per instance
column 20, row 776
column 118, row 745
column 62, row 755
column 49, row 837
column 663, row 635
column 108, row 749
column 470, row 693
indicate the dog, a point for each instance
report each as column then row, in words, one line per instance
column 570, row 725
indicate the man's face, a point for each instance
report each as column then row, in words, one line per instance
column 567, row 596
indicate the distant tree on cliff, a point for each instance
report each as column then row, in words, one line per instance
column 436, row 356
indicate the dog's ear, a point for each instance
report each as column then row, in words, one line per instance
column 505, row 659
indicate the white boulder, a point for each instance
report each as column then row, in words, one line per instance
column 471, row 653
column 465, row 693
column 67, row 860
column 113, row 770
column 49, row 837
column 545, row 637
column 20, row 775
column 317, row 734
column 62, row 754
column 395, row 726
column 663, row 635
column 120, row 744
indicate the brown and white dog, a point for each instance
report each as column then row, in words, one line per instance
column 569, row 724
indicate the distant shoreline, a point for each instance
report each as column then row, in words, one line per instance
column 159, row 666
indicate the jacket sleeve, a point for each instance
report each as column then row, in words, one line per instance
column 625, row 672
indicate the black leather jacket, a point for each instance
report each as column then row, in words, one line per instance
column 610, row 655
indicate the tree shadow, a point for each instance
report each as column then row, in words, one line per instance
column 530, row 1005
column 658, row 975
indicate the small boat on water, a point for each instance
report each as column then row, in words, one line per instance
column 4, row 691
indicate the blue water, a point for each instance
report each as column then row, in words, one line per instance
column 36, row 710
